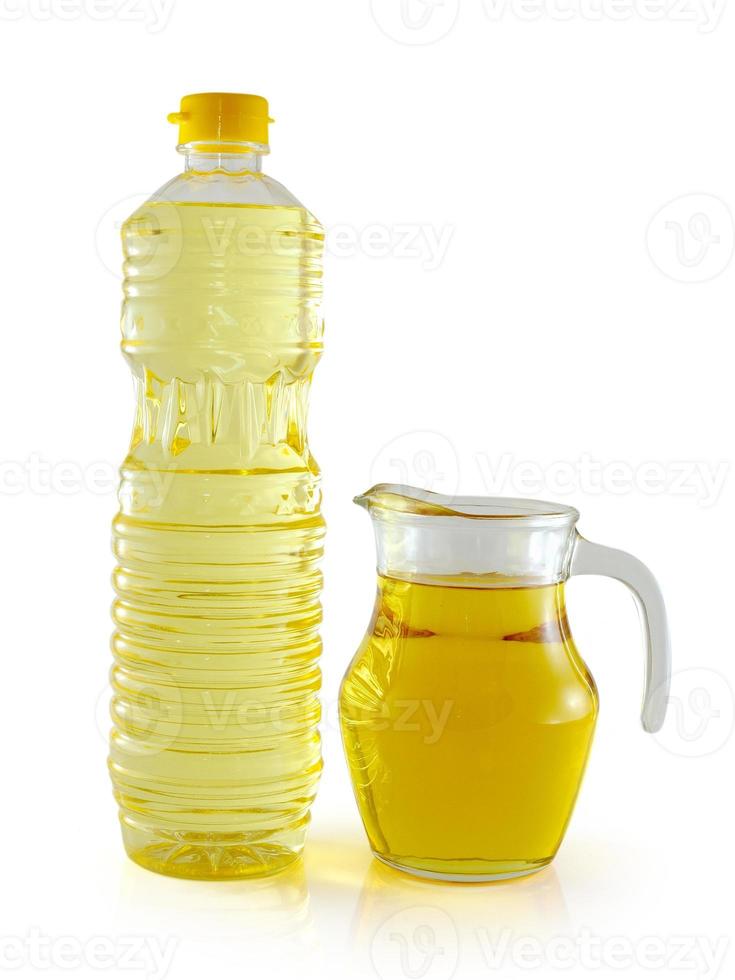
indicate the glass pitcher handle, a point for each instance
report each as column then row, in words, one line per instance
column 595, row 559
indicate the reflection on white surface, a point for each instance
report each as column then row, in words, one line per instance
column 261, row 909
column 417, row 928
column 398, row 926
column 339, row 906
column 341, row 913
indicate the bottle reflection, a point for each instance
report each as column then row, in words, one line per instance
column 258, row 910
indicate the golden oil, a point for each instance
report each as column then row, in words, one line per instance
column 215, row 751
column 467, row 716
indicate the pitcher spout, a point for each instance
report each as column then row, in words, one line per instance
column 404, row 499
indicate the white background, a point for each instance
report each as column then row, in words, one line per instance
column 576, row 162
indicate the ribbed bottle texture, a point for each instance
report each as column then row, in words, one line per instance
column 215, row 750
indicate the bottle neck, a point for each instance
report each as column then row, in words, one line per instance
column 233, row 158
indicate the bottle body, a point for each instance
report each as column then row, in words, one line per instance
column 467, row 716
column 215, row 750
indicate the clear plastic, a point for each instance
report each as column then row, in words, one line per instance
column 468, row 713
column 215, row 752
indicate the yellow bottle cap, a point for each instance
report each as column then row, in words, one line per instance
column 222, row 117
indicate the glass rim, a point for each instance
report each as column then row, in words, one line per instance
column 414, row 501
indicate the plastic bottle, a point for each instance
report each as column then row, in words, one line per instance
column 215, row 751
